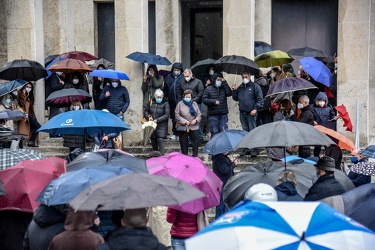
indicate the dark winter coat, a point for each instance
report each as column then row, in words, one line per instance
column 249, row 97
column 160, row 112
column 323, row 115
column 132, row 239
column 264, row 86
column 78, row 234
column 359, row 179
column 53, row 84
column 74, row 141
column 212, row 94
column 184, row 224
column 223, row 167
column 46, row 224
column 108, row 144
column 325, row 186
column 172, row 83
column 13, row 226
column 194, row 85
column 307, row 115
column 97, row 88
column 286, row 191
column 150, row 86
column 118, row 101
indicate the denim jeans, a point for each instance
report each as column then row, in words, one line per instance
column 248, row 122
column 218, row 123
column 34, row 124
column 221, row 209
column 178, row 244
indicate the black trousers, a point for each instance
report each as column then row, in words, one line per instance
column 184, row 141
column 157, row 144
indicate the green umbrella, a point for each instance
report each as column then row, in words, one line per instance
column 273, row 58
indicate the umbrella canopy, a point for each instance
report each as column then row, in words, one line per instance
column 344, row 180
column 107, row 64
column 11, row 135
column 343, row 141
column 10, row 157
column 148, row 58
column 111, row 74
column 49, row 59
column 8, row 87
column 261, row 47
column 225, row 141
column 78, row 55
column 343, row 113
column 69, row 65
column 272, row 58
column 284, row 134
column 317, row 70
column 148, row 129
column 292, row 158
column 49, row 73
column 236, row 65
column 307, row 52
column 365, row 168
column 199, row 69
column 24, row 181
column 283, row 225
column 65, row 188
column 288, row 84
column 2, row 191
column 192, row 171
column 11, row 114
column 65, row 97
column 110, row 157
column 368, row 152
column 23, row 69
column 85, row 121
column 266, row 172
column 137, row 190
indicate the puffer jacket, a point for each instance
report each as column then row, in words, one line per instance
column 160, row 112
column 249, row 97
column 172, row 83
column 307, row 115
column 78, row 234
column 74, row 141
column 212, row 94
column 323, row 115
column 184, row 224
column 194, row 85
column 118, row 101
column 47, row 223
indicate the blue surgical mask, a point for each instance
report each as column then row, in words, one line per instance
column 159, row 100
column 8, row 101
column 218, row 83
column 187, row 99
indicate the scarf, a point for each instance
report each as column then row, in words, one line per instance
column 191, row 108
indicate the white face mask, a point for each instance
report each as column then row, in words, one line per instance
column 76, row 107
column 176, row 72
column 187, row 78
column 15, row 93
column 299, row 72
column 336, row 65
column 114, row 84
column 75, row 81
column 246, row 81
column 28, row 90
column 211, row 72
column 300, row 105
column 336, row 71
column 321, row 103
column 272, row 75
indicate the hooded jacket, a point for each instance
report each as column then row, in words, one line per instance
column 126, row 238
column 223, row 167
column 264, row 86
column 212, row 94
column 78, row 234
column 118, row 101
column 249, row 97
column 286, row 191
column 323, row 115
column 172, row 84
column 47, row 223
column 195, row 85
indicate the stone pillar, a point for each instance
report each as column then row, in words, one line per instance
column 131, row 28
column 263, row 20
column 356, row 77
column 168, row 29
column 238, row 39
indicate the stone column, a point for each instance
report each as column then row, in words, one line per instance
column 238, row 39
column 263, row 20
column 131, row 28
column 168, row 29
column 356, row 77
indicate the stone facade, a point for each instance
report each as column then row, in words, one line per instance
column 35, row 28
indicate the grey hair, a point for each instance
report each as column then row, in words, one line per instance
column 158, row 92
column 287, row 176
column 305, row 98
column 188, row 71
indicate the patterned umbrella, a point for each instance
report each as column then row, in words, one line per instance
column 10, row 157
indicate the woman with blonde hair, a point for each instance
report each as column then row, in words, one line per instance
column 74, row 141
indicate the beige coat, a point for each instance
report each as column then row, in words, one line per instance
column 183, row 115
column 157, row 221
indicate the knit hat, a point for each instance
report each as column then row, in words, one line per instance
column 326, row 163
column 261, row 192
column 288, row 68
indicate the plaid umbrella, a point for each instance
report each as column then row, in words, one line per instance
column 9, row 157
column 369, row 151
column 148, row 129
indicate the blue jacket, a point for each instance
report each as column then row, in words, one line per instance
column 323, row 115
column 212, row 94
column 172, row 83
column 287, row 192
column 249, row 97
column 118, row 101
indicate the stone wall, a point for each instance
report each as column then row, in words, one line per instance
column 3, row 37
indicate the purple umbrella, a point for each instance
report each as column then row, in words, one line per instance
column 192, row 171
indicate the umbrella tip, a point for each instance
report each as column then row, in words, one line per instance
column 303, row 237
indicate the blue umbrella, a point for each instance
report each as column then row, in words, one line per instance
column 317, row 70
column 8, row 87
column 225, row 141
column 148, row 58
column 294, row 157
column 49, row 73
column 65, row 188
column 111, row 74
column 368, row 152
column 84, row 122
column 283, row 225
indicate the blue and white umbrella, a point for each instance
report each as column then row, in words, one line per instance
column 283, row 225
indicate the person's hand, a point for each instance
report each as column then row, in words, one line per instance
column 235, row 162
column 101, row 79
column 217, row 102
column 234, row 87
column 62, row 82
column 208, row 82
column 105, row 138
column 187, row 123
column 97, row 221
column 335, row 118
column 315, row 123
column 193, row 122
column 107, row 94
column 291, row 112
column 355, row 152
column 144, row 78
column 253, row 112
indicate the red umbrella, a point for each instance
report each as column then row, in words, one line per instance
column 69, row 65
column 79, row 55
column 343, row 113
column 24, row 181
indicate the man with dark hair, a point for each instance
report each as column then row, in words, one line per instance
column 326, row 185
column 133, row 234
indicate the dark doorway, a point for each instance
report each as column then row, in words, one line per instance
column 106, row 31
column 151, row 28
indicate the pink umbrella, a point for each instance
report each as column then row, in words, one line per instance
column 192, row 171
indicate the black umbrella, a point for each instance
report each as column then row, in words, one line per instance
column 261, row 47
column 65, row 97
column 306, row 51
column 236, row 65
column 266, row 172
column 107, row 64
column 289, row 84
column 23, row 69
column 49, row 59
column 108, row 157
